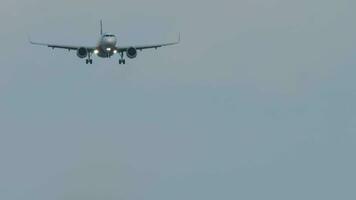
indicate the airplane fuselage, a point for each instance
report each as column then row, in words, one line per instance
column 106, row 45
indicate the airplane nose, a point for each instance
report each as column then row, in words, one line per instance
column 110, row 41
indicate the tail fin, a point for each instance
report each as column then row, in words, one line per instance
column 101, row 27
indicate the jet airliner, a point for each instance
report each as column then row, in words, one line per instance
column 106, row 47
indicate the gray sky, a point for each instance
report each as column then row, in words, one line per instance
column 257, row 102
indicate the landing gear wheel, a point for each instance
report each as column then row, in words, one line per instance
column 89, row 61
column 122, row 61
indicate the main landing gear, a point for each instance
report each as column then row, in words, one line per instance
column 89, row 60
column 122, row 60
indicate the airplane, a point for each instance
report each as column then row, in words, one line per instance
column 106, row 47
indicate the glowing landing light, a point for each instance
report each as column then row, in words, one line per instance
column 108, row 49
column 96, row 51
column 115, row 51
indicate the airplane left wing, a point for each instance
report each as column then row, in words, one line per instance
column 152, row 46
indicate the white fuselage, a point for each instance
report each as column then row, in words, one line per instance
column 106, row 45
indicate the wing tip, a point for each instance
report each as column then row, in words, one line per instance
column 29, row 39
column 178, row 40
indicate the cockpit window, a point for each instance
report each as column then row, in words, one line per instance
column 109, row 35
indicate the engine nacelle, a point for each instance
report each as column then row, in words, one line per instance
column 131, row 52
column 82, row 52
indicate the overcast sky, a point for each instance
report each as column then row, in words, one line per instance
column 257, row 102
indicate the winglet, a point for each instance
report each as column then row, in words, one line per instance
column 178, row 40
column 29, row 39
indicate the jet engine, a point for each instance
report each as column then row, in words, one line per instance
column 131, row 52
column 82, row 52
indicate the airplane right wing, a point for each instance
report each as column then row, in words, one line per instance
column 59, row 46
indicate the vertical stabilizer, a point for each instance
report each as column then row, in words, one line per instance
column 101, row 27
